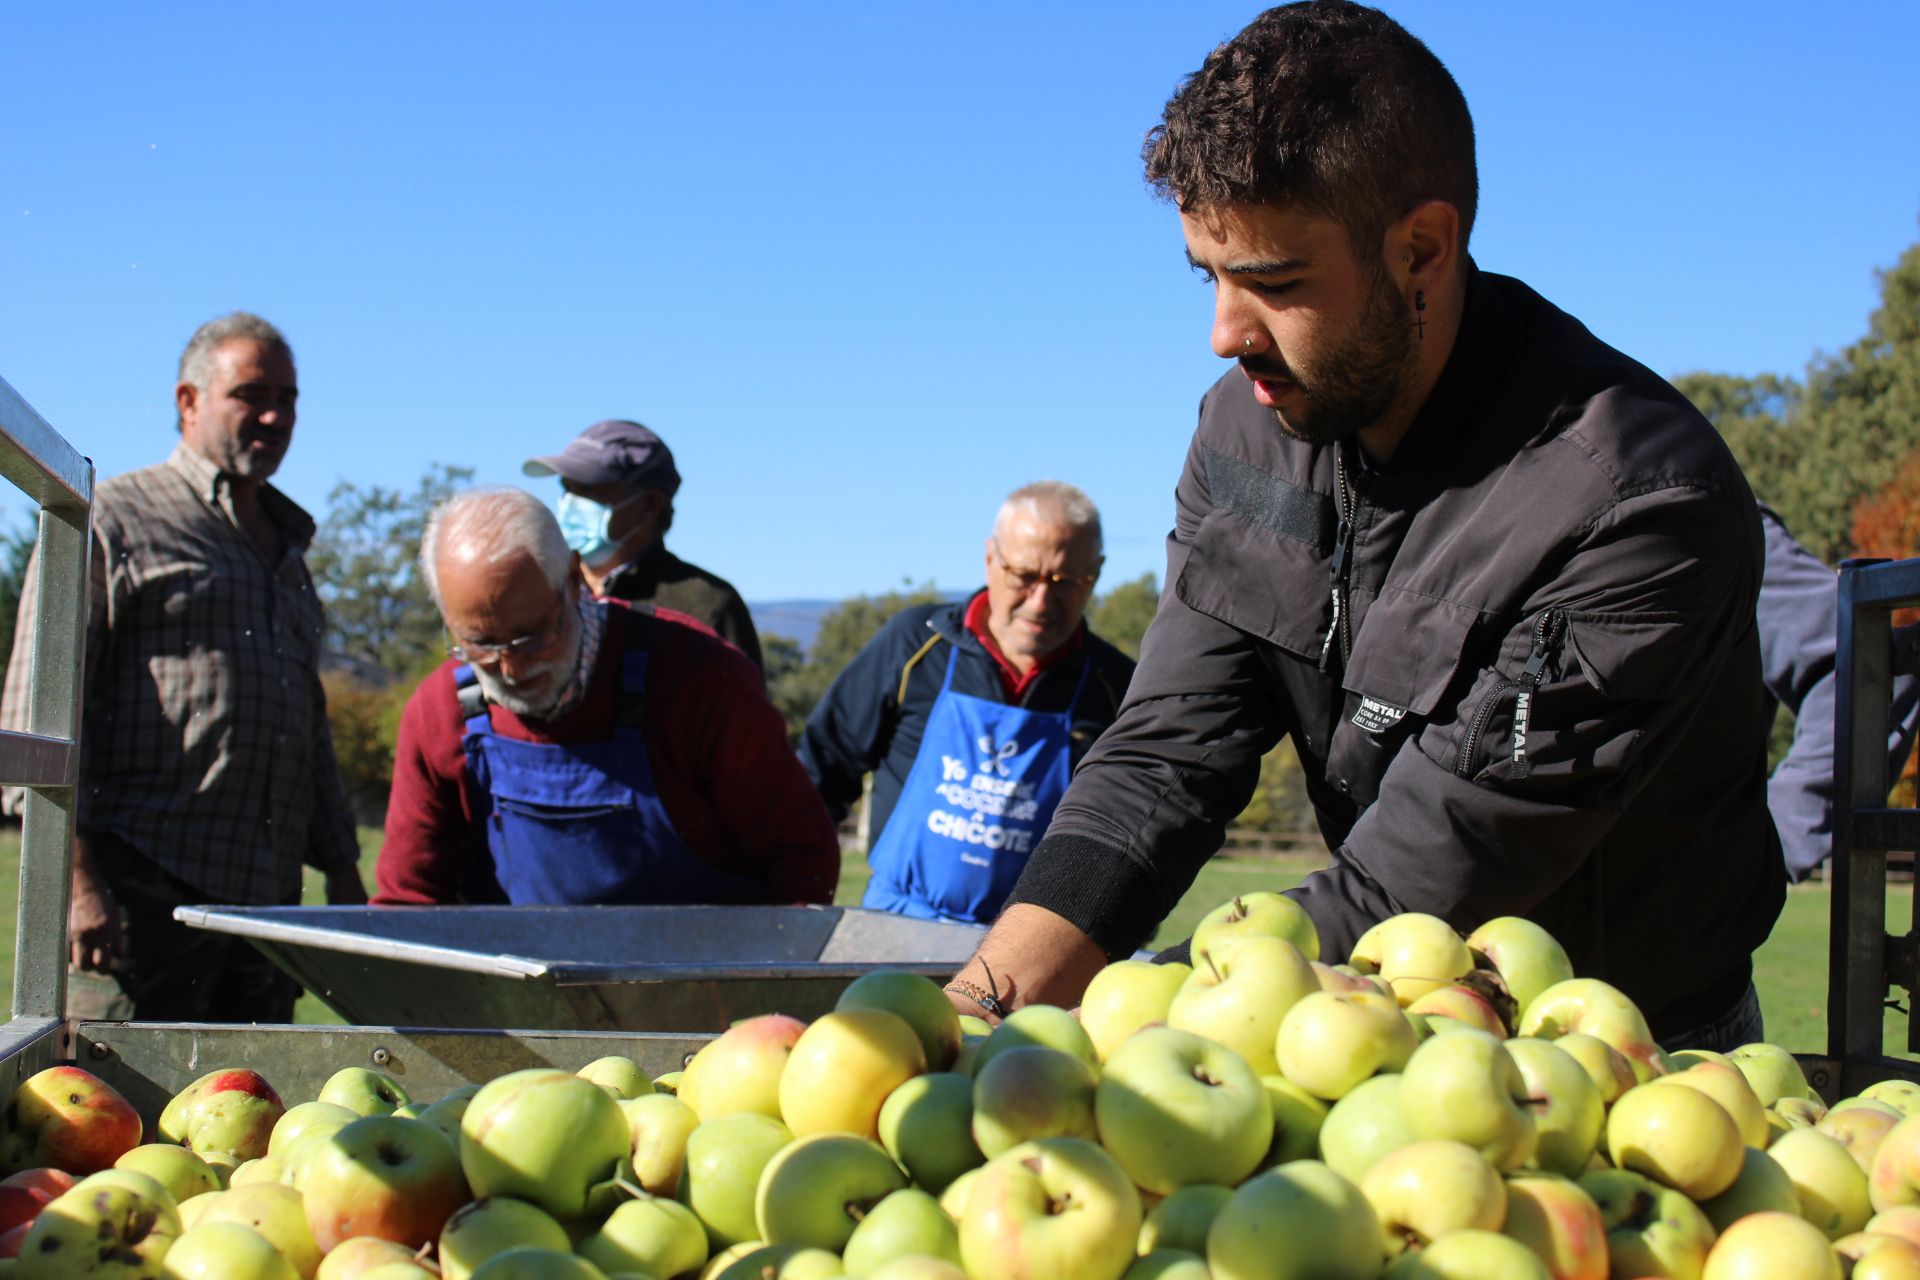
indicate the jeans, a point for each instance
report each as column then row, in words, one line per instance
column 1739, row 1025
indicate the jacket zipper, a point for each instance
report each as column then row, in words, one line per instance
column 1340, row 568
column 1546, row 633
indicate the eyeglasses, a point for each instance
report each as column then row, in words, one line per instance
column 1025, row 580
column 483, row 654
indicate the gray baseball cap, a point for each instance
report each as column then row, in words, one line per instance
column 612, row 452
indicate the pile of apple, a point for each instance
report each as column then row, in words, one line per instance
column 1438, row 1106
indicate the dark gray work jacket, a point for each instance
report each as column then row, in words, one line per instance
column 1542, row 694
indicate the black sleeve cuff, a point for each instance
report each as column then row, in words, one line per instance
column 1095, row 888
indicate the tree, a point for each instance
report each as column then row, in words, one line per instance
column 796, row 685
column 1120, row 617
column 365, row 564
column 16, row 549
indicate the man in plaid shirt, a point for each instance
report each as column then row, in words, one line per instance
column 207, row 772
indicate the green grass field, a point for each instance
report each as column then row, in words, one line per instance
column 1791, row 970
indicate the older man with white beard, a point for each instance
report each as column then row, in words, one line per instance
column 578, row 750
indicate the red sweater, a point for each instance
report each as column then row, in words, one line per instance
column 725, row 773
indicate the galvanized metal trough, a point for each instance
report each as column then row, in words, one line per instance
column 668, row 969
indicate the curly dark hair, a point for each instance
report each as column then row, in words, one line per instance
column 1327, row 106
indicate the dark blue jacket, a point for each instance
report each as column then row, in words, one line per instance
column 874, row 714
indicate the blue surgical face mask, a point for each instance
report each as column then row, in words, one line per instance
column 586, row 524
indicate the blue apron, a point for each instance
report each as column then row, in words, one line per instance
column 978, row 798
column 582, row 822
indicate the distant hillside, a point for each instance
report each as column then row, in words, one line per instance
column 795, row 619
column 800, row 619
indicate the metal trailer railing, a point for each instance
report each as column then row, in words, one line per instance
column 1864, row 961
column 46, row 758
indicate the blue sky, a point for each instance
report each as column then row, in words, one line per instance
column 865, row 267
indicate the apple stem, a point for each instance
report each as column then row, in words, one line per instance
column 1211, row 965
column 633, row 1189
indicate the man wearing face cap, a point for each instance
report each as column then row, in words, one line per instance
column 620, row 482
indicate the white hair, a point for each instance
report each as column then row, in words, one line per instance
column 490, row 524
column 1052, row 502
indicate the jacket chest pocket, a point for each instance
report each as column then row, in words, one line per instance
column 1407, row 658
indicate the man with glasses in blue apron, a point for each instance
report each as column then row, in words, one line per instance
column 576, row 750
column 970, row 716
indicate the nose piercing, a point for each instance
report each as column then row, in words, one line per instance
column 1246, row 344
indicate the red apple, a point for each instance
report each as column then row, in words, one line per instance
column 70, row 1119
column 384, row 1176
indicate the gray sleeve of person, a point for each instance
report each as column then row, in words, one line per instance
column 1799, row 615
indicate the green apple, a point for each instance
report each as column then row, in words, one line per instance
column 1126, row 996
column 364, row 1092
column 1240, row 989
column 917, row 1268
column 780, row 1262
column 1467, row 1087
column 1462, row 1005
column 1904, row 1095
column 1566, row 1107
column 1895, row 1176
column 1761, row 1186
column 1772, row 1246
column 225, row 1251
column 1592, row 1007
column 907, row 1223
column 1041, row 1024
column 1058, row 1207
column 1273, row 915
column 482, row 1228
column 537, row 1264
column 660, row 1124
column 1301, row 1221
column 1526, row 957
column 954, row 1199
column 353, row 1259
column 1605, row 1065
column 1773, row 1072
column 842, row 1068
column 740, row 1069
column 918, row 1001
column 383, row 1176
column 1834, row 1195
column 544, row 1136
column 1181, row 1220
column 179, row 1170
column 1560, row 1223
column 669, row 1081
column 1328, row 1042
column 650, row 1234
column 1679, row 1137
column 1363, row 1126
column 1470, row 1254
column 102, row 1229
column 1725, row 1084
column 1795, row 1113
column 816, row 1189
column 276, row 1212
column 1429, row 1189
column 231, row 1110
column 1031, row 1091
column 724, row 1161
column 1860, row 1130
column 1652, row 1230
column 621, row 1077
column 1414, row 952
column 444, row 1113
column 926, row 1124
column 1176, row 1108
column 1167, row 1264
column 263, row 1169
column 1871, row 1255
column 1297, row 1117
column 305, row 1118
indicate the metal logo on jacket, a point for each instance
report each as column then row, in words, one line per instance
column 1376, row 716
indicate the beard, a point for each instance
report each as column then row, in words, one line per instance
column 1355, row 383
column 560, row 672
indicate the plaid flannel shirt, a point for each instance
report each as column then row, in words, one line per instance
column 204, row 740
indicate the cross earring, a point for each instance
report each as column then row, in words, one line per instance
column 1419, row 313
